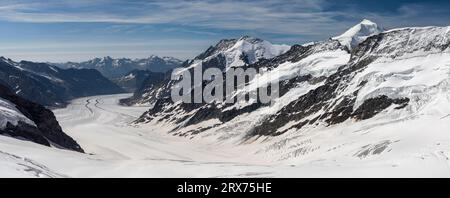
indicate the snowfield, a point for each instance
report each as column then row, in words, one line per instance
column 411, row 147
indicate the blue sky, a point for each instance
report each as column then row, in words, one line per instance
column 66, row 30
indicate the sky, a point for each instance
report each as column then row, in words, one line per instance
column 67, row 30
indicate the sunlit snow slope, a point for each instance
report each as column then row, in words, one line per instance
column 358, row 33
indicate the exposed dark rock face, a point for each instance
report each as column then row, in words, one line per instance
column 373, row 106
column 47, row 131
column 303, row 107
column 25, row 131
column 51, row 86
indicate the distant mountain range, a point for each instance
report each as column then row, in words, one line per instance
column 113, row 68
column 51, row 86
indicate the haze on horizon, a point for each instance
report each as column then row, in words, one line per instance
column 64, row 30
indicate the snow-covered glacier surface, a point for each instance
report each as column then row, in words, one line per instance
column 404, row 148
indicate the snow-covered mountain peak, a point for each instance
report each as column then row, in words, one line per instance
column 358, row 33
column 242, row 51
column 248, row 50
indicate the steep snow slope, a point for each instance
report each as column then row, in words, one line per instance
column 357, row 34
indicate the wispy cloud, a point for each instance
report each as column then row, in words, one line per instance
column 292, row 17
column 301, row 17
